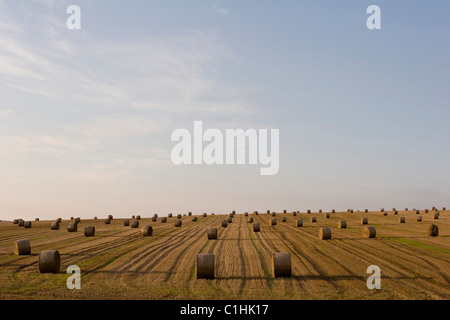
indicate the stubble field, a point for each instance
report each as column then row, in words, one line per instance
column 119, row 263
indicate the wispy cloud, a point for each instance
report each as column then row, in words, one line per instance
column 176, row 74
column 20, row 145
column 4, row 112
column 6, row 23
column 214, row 9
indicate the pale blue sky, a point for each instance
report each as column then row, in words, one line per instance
column 86, row 115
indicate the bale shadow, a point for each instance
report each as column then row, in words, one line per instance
column 320, row 277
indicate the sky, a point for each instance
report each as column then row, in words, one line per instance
column 86, row 116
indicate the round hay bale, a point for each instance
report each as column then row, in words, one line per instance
column 107, row 221
column 170, row 215
column 320, row 210
column 230, row 220
column 205, row 266
column 27, row 224
column 205, row 214
column 284, row 211
column 283, row 219
column 406, row 209
column 55, row 225
column 250, row 220
column 224, row 223
column 189, row 213
column 351, row 210
column 49, row 261
column 443, row 209
column 308, row 211
column 419, row 219
column 433, row 230
column 417, row 211
column 434, row 208
column 435, row 216
column 342, row 224
column 178, row 216
column 272, row 222
column 382, row 210
column 15, row 221
column 22, row 247
column 255, row 213
column 138, row 217
column 256, row 227
column 135, row 224
column 395, row 212
column 21, row 223
column 246, row 214
column 294, row 214
column 72, row 227
column 366, row 210
column 231, row 215
column 364, row 220
column 89, row 231
column 368, row 232
column 154, row 219
column 324, row 233
column 164, row 219
column 71, row 218
column 401, row 219
column 385, row 214
column 147, row 231
column 212, row 233
column 326, row 215
column 426, row 210
column 77, row 220
column 194, row 219
column 126, row 223
column 233, row 212
column 393, row 209
column 313, row 219
column 333, row 210
column 299, row 223
column 37, row 219
column 95, row 218
column 273, row 214
column 110, row 217
column 268, row 211
column 177, row 223
column 133, row 217
column 281, row 264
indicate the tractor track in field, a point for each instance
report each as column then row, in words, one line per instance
column 370, row 254
column 119, row 263
column 242, row 260
column 301, row 256
column 157, row 252
column 230, row 243
column 351, row 251
column 194, row 236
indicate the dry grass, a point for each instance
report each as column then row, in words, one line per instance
column 118, row 263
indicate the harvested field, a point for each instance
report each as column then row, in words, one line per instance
column 118, row 263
